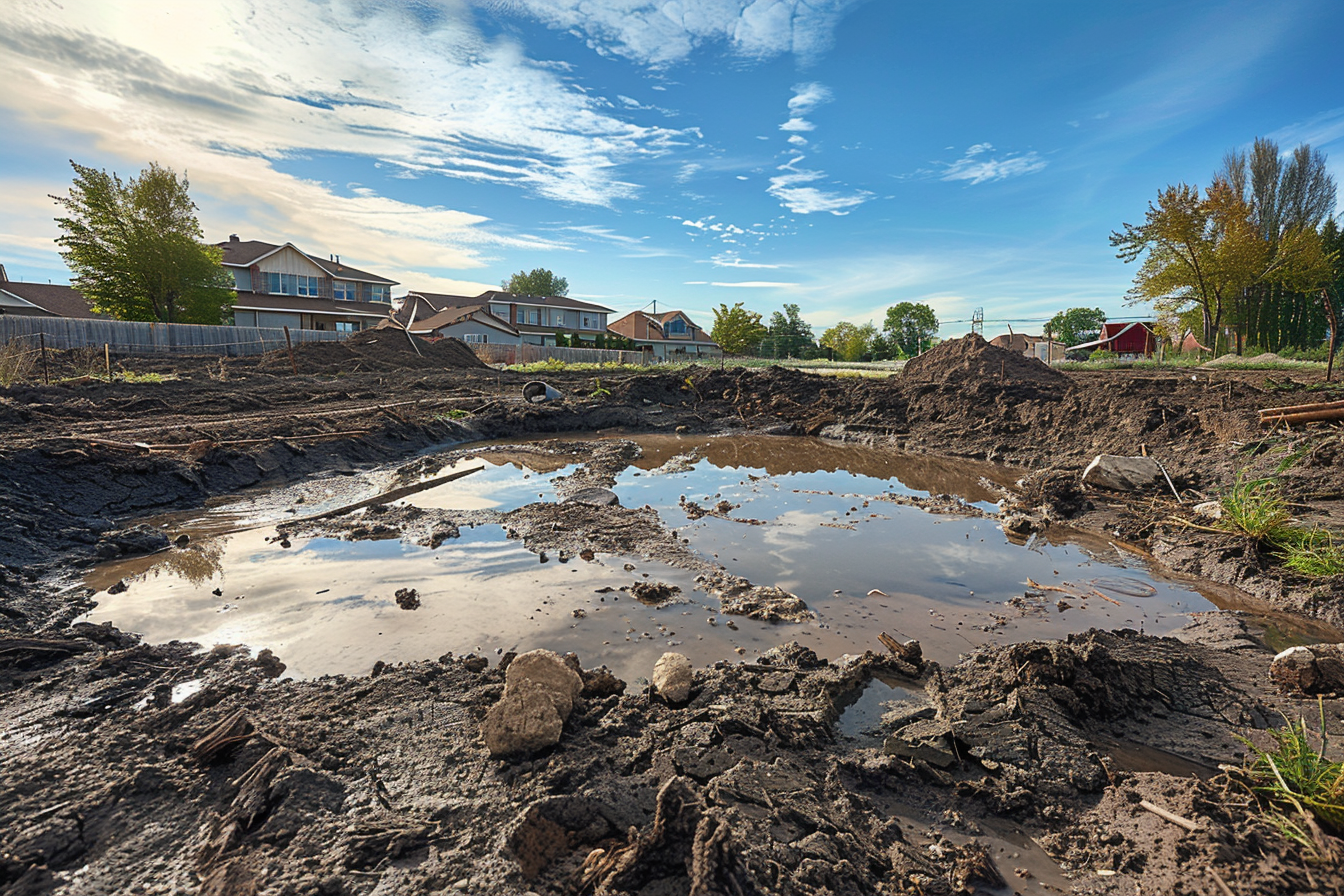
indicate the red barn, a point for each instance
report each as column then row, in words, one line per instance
column 1134, row 339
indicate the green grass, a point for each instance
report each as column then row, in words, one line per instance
column 552, row 364
column 1257, row 509
column 452, row 414
column 1303, row 789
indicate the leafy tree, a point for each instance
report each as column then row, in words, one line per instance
column 136, row 248
column 1076, row 326
column 849, row 341
column 736, row 329
column 536, row 282
column 1201, row 250
column 882, row 348
column 909, row 326
column 790, row 335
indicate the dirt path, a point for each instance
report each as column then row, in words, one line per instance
column 127, row 767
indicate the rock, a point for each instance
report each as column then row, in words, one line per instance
column 595, row 496
column 549, row 671
column 1122, row 474
column 408, row 598
column 1210, row 509
column 601, row 682
column 672, row 677
column 1307, row 671
column 523, row 721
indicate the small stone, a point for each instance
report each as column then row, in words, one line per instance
column 523, row 721
column 1307, row 671
column 548, row 670
column 672, row 677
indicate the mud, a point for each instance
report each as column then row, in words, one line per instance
column 131, row 767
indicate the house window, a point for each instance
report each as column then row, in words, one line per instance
column 522, row 316
column 309, row 286
column 345, row 326
column 382, row 292
column 534, row 317
column 344, row 290
column 676, row 327
column 474, row 338
column 282, row 284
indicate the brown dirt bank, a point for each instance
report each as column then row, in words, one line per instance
column 380, row 784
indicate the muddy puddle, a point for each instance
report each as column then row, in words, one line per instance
column 831, row 523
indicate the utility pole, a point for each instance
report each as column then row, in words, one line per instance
column 978, row 322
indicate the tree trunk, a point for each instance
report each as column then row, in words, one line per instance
column 1333, row 317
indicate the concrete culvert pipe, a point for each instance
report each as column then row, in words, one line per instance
column 537, row 391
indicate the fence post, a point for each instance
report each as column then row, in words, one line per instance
column 46, row 374
column 107, row 360
column 290, row 345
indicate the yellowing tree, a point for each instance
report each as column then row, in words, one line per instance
column 849, row 341
column 736, row 329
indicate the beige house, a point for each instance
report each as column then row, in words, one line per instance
column 283, row 286
column 671, row 334
column 41, row 299
column 473, row 324
column 536, row 319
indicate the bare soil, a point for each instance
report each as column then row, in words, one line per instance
column 136, row 768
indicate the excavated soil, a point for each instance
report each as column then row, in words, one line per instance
column 128, row 767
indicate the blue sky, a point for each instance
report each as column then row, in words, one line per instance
column 843, row 155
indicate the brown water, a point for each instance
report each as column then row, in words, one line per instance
column 865, row 565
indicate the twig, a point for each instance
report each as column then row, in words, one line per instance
column 1169, row 816
column 1222, row 884
column 1105, row 597
column 1168, row 478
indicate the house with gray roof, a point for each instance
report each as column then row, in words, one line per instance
column 41, row 299
column 535, row 319
column 283, row 286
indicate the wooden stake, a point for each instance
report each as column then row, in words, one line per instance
column 107, row 360
column 46, row 374
column 290, row 345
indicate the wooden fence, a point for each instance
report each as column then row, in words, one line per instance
column 137, row 338
column 496, row 353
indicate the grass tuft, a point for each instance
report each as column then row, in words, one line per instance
column 1255, row 507
column 1304, row 791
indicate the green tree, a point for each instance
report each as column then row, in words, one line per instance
column 790, row 335
column 1076, row 325
column 736, row 329
column 850, row 342
column 536, row 282
column 136, row 248
column 909, row 326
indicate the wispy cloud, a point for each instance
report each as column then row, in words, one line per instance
column 795, row 187
column 660, row 34
column 979, row 166
column 794, row 193
column 234, row 91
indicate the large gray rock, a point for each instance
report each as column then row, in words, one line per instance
column 1123, row 474
column 523, row 721
column 1318, row 669
column 672, row 677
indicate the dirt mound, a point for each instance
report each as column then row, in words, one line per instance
column 971, row 359
column 384, row 348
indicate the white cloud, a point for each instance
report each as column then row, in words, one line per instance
column 755, row 284
column 660, row 33
column 796, row 125
column 233, row 90
column 977, row 167
column 792, row 190
column 808, row 97
column 797, row 140
column 731, row 260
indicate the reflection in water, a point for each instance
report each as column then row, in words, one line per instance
column 864, row 565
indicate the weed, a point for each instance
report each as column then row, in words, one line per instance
column 1310, row 552
column 452, row 414
column 130, row 376
column 598, row 391
column 1255, row 507
column 1304, row 790
column 16, row 362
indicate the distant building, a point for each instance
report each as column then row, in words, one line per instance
column 473, row 324
column 1132, row 340
column 536, row 319
column 42, row 299
column 671, row 334
column 283, row 286
column 1047, row 350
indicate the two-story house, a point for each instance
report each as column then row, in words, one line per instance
column 536, row 319
column 671, row 334
column 283, row 286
